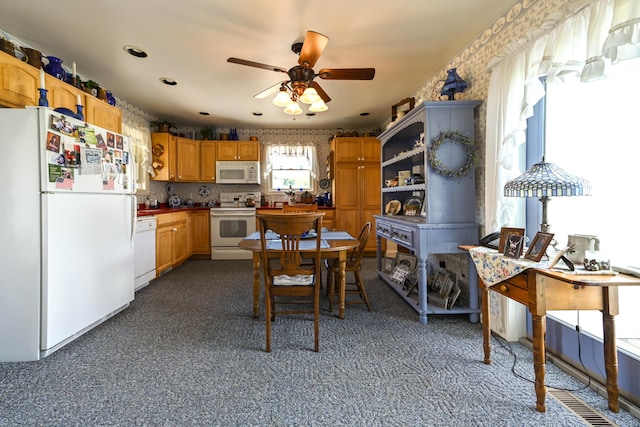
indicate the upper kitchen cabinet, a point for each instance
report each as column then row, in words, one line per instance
column 239, row 150
column 208, row 151
column 175, row 158
column 102, row 114
column 355, row 149
column 18, row 82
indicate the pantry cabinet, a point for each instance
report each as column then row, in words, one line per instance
column 356, row 194
column 171, row 240
column 238, row 150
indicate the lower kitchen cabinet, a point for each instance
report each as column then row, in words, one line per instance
column 199, row 224
column 171, row 240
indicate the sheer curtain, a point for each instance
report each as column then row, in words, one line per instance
column 307, row 151
column 581, row 42
column 141, row 149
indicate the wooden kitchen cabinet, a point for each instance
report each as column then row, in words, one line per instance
column 19, row 82
column 163, row 147
column 208, row 150
column 199, row 224
column 239, row 150
column 188, row 160
column 102, row 114
column 171, row 240
column 356, row 187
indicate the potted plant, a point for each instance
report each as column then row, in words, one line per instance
column 163, row 125
column 206, row 132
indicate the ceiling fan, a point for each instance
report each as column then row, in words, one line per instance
column 301, row 85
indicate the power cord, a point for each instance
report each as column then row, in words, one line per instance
column 506, row 346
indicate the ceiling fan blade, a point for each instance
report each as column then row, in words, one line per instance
column 314, row 44
column 256, row 64
column 321, row 92
column 347, row 73
column 273, row 89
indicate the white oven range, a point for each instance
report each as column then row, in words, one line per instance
column 231, row 222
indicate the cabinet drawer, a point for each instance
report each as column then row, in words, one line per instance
column 519, row 281
column 402, row 235
column 511, row 291
column 383, row 229
column 168, row 218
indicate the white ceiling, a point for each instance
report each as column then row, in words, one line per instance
column 406, row 41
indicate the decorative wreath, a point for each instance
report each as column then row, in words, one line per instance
column 453, row 136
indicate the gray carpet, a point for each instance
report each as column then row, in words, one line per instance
column 188, row 352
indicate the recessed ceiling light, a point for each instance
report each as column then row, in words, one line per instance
column 135, row 51
column 364, row 114
column 257, row 113
column 168, row 81
column 203, row 113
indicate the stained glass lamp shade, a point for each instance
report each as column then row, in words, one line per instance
column 544, row 180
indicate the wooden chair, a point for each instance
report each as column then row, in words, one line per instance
column 353, row 265
column 289, row 284
column 300, row 207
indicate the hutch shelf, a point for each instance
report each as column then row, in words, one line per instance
column 447, row 215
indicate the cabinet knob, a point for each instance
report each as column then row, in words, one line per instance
column 504, row 288
column 174, row 229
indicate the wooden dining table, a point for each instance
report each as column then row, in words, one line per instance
column 334, row 249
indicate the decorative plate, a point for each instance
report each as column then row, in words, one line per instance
column 174, row 201
column 157, row 150
column 204, row 191
column 324, row 183
column 393, row 207
column 169, row 188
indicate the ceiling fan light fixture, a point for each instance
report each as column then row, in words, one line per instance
column 282, row 99
column 309, row 96
column 293, row 109
column 318, row 106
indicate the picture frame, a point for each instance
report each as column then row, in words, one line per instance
column 538, row 246
column 409, row 260
column 388, row 264
column 513, row 246
column 506, row 231
column 439, row 281
column 399, row 274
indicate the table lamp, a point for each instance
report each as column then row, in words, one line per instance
column 544, row 180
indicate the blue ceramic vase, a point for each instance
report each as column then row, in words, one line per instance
column 54, row 67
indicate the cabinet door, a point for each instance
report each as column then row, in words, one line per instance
column 163, row 143
column 180, row 243
column 347, row 149
column 18, row 82
column 208, row 161
column 61, row 94
column 227, row 150
column 164, row 248
column 188, row 159
column 249, row 150
column 346, row 189
column 199, row 233
column 102, row 114
column 370, row 149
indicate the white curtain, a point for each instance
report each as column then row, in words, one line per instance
column 307, row 151
column 141, row 150
column 580, row 41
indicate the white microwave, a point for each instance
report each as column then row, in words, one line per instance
column 237, row 172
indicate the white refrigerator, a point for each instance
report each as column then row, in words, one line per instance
column 67, row 220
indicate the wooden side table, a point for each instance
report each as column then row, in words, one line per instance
column 541, row 290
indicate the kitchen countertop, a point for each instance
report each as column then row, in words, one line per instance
column 164, row 208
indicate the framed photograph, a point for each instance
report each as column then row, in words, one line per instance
column 439, row 281
column 409, row 260
column 506, row 231
column 388, row 264
column 399, row 273
column 538, row 246
column 513, row 246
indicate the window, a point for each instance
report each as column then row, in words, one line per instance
column 591, row 130
column 291, row 166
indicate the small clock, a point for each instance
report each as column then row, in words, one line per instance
column 324, row 183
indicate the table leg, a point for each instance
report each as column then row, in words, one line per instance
column 486, row 323
column 539, row 325
column 256, row 284
column 342, row 280
column 610, row 309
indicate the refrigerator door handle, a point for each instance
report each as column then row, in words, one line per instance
column 134, row 212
